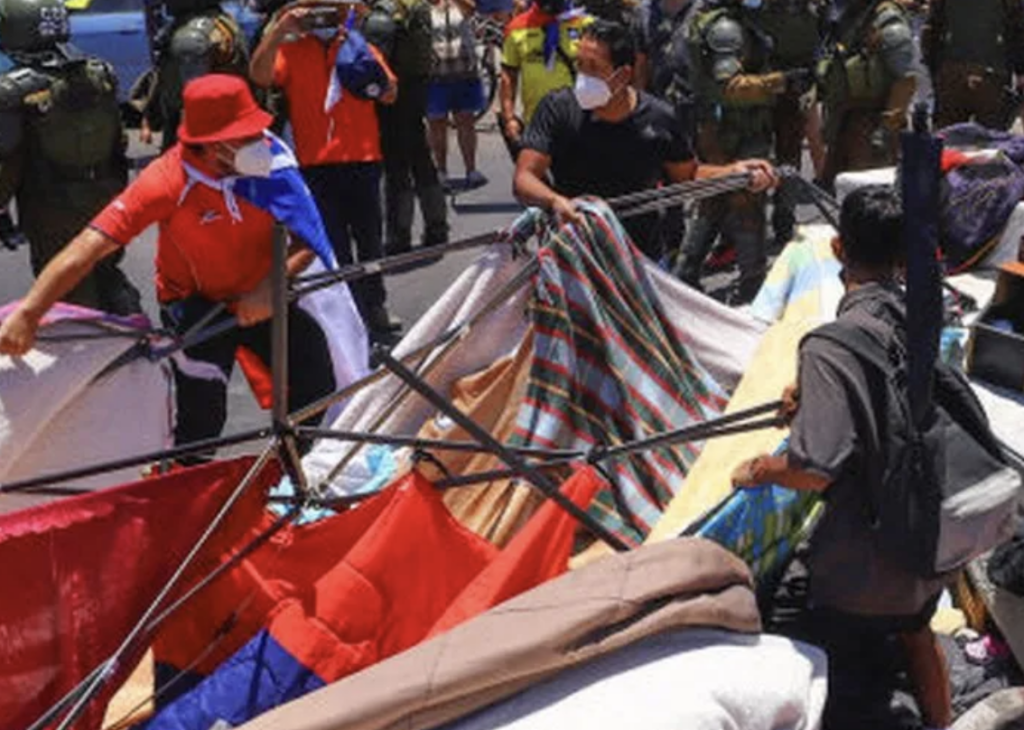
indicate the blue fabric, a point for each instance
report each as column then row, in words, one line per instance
column 763, row 525
column 286, row 196
column 260, row 676
column 382, row 466
column 461, row 95
column 358, row 69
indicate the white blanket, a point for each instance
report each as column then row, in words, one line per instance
column 699, row 679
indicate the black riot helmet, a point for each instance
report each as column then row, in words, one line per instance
column 33, row 26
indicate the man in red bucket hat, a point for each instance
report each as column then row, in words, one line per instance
column 213, row 247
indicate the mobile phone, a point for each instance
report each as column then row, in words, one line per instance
column 321, row 17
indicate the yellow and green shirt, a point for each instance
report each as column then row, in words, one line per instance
column 524, row 52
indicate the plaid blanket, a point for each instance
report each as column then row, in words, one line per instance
column 608, row 367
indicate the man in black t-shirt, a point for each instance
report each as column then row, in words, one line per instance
column 605, row 138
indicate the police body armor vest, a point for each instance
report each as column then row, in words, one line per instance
column 207, row 42
column 71, row 120
column 670, row 72
column 71, row 139
column 721, row 35
column 854, row 74
column 795, row 29
column 976, row 32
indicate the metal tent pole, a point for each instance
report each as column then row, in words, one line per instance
column 540, row 480
column 104, row 672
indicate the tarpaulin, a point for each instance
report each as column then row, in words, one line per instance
column 403, row 568
column 498, row 509
column 73, row 422
column 81, row 571
column 609, row 368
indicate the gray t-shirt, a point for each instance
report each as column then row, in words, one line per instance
column 833, row 436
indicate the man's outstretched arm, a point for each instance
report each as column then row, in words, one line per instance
column 61, row 275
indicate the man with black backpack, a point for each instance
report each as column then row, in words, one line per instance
column 863, row 601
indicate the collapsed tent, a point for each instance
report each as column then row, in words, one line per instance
column 349, row 591
column 294, row 607
column 663, row 358
column 77, row 363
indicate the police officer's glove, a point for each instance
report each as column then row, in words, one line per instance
column 10, row 236
column 799, row 81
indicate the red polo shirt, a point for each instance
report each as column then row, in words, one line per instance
column 350, row 131
column 201, row 248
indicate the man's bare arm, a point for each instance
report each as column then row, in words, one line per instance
column 507, row 90
column 61, row 275
column 777, row 469
column 261, row 67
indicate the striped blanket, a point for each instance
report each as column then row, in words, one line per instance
column 609, row 368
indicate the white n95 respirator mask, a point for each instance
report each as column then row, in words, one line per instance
column 254, row 159
column 591, row 92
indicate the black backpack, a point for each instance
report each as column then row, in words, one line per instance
column 944, row 493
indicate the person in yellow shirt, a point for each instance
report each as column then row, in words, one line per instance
column 538, row 57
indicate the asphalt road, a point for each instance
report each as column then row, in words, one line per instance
column 409, row 294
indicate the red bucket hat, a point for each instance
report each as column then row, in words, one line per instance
column 220, row 107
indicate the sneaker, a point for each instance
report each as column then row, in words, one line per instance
column 475, row 179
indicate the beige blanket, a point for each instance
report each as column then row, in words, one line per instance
column 581, row 616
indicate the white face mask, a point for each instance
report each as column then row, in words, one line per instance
column 254, row 159
column 591, row 92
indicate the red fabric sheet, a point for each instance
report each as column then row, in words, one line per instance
column 345, row 592
column 78, row 573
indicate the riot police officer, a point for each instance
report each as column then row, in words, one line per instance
column 868, row 82
column 62, row 144
column 663, row 70
column 200, row 38
column 795, row 31
column 736, row 91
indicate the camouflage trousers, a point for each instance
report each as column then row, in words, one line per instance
column 860, row 144
column 790, row 121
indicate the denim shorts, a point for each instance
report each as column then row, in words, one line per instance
column 461, row 95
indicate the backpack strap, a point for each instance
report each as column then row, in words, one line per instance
column 855, row 339
column 868, row 349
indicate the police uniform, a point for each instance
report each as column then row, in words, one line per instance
column 972, row 51
column 62, row 144
column 796, row 29
column 201, row 39
column 662, row 38
column 868, row 83
column 735, row 94
column 404, row 34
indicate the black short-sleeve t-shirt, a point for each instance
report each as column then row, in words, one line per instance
column 607, row 159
